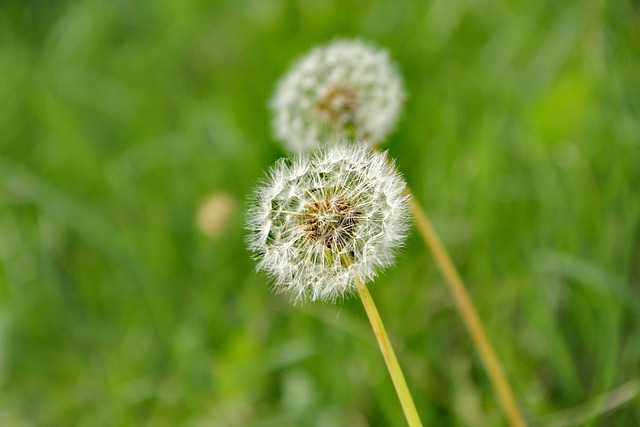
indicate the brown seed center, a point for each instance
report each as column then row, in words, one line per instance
column 330, row 221
column 337, row 105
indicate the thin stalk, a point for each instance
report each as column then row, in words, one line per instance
column 389, row 355
column 469, row 316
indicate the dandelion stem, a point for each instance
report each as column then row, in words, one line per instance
column 470, row 317
column 389, row 355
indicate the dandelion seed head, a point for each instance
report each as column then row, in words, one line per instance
column 321, row 222
column 343, row 89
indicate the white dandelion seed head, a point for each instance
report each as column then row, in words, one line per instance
column 319, row 223
column 345, row 89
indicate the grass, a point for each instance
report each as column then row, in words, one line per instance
column 520, row 138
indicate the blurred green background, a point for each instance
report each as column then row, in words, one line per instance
column 118, row 119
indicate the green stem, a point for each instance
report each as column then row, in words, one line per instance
column 470, row 317
column 389, row 355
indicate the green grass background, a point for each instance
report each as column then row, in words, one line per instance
column 520, row 136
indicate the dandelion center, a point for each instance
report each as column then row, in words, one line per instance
column 330, row 221
column 337, row 105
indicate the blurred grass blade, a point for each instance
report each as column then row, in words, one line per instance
column 87, row 223
column 595, row 407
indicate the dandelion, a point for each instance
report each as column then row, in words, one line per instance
column 322, row 223
column 345, row 89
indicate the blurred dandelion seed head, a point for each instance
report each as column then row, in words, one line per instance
column 345, row 89
column 320, row 222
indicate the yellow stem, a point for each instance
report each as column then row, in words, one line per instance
column 469, row 317
column 389, row 355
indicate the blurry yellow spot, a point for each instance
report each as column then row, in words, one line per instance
column 215, row 214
